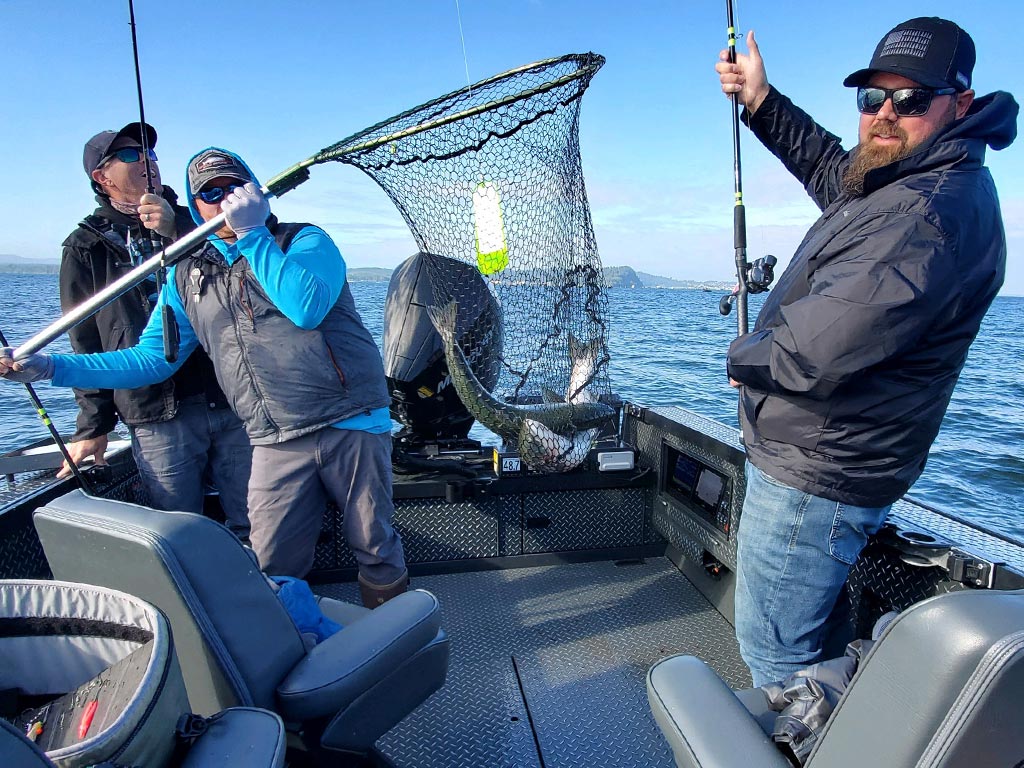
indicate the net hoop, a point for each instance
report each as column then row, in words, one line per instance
column 587, row 65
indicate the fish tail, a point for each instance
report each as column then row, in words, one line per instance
column 576, row 349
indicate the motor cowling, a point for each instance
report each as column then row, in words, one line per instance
column 422, row 395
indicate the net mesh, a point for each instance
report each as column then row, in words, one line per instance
column 490, row 175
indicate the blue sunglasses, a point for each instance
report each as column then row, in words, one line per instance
column 128, row 155
column 216, row 194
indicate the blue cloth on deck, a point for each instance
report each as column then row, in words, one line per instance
column 301, row 604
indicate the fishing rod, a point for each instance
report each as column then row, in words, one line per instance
column 172, row 338
column 86, row 485
column 750, row 278
column 353, row 146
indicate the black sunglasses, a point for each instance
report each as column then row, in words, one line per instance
column 906, row 102
column 216, row 194
column 128, row 155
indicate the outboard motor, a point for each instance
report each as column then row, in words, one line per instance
column 422, row 395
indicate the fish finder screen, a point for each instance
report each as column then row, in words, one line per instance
column 698, row 488
column 709, row 488
column 685, row 472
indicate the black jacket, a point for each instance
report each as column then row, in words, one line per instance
column 95, row 254
column 852, row 362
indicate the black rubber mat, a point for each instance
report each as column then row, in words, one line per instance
column 576, row 641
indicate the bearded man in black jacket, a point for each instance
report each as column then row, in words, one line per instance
column 183, row 431
column 851, row 364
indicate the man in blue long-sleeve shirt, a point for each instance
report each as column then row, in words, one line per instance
column 270, row 304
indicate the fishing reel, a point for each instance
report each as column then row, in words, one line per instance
column 758, row 278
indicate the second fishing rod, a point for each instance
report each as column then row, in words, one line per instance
column 170, row 325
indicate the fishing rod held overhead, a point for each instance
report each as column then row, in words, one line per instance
column 172, row 337
column 143, row 134
column 750, row 278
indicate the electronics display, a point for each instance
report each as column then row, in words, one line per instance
column 697, row 487
column 709, row 489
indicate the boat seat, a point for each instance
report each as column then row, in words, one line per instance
column 235, row 738
column 236, row 643
column 943, row 687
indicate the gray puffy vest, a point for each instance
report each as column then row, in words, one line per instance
column 281, row 380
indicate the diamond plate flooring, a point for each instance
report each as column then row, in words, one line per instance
column 582, row 638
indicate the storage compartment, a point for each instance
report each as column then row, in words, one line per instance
column 89, row 674
column 451, row 520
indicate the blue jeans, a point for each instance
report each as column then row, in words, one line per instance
column 175, row 458
column 794, row 555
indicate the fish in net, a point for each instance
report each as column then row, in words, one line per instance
column 490, row 176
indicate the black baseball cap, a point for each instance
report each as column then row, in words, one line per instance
column 931, row 51
column 98, row 147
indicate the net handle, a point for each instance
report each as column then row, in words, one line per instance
column 284, row 182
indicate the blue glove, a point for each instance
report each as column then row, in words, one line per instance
column 246, row 209
column 35, row 367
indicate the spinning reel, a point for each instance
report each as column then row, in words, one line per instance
column 758, row 278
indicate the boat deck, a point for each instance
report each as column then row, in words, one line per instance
column 549, row 657
column 548, row 664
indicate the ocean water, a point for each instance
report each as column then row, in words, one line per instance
column 668, row 348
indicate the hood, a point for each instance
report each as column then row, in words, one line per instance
column 219, row 244
column 991, row 118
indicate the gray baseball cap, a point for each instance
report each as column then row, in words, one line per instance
column 213, row 164
column 98, row 147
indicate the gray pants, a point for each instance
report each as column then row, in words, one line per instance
column 289, row 490
column 175, row 457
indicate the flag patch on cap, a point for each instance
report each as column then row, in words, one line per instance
column 907, row 42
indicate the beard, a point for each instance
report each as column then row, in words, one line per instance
column 868, row 156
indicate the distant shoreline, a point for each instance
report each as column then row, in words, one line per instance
column 381, row 275
column 370, row 275
column 30, row 269
column 615, row 277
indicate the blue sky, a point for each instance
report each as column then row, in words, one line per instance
column 277, row 81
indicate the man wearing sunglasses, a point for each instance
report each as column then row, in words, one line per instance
column 183, row 432
column 851, row 364
column 270, row 303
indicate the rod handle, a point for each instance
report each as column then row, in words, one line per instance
column 739, row 226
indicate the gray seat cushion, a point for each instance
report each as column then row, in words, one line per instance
column 942, row 688
column 236, row 642
column 704, row 722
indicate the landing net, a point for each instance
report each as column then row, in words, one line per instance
column 490, row 175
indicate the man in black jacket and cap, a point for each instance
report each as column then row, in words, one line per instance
column 851, row 364
column 183, row 431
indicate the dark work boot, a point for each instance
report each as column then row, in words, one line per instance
column 374, row 595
